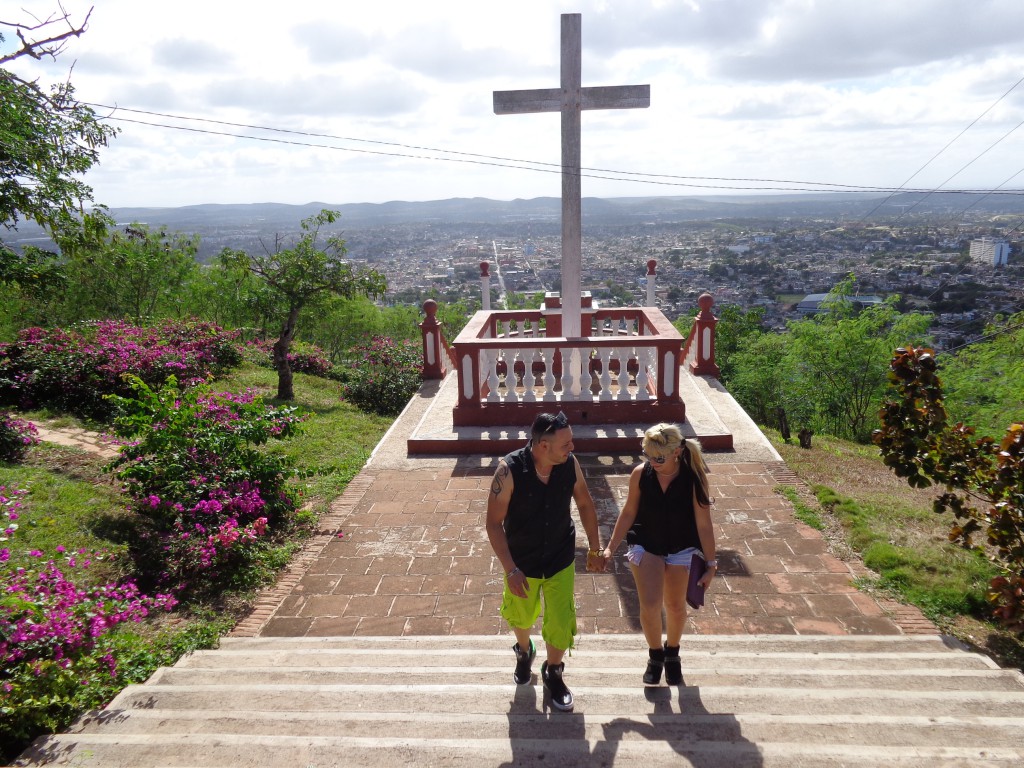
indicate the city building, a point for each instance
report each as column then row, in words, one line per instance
column 989, row 251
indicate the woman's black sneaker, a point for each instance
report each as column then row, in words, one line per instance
column 655, row 663
column 673, row 666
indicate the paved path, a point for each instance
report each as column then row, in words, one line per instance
column 413, row 559
column 404, row 552
column 75, row 437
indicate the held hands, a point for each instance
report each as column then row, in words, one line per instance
column 596, row 561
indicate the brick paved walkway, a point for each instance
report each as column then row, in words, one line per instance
column 413, row 559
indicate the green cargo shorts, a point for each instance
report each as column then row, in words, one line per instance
column 559, row 625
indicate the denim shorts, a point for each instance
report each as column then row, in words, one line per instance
column 635, row 553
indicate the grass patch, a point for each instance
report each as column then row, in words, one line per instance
column 894, row 529
column 803, row 512
column 64, row 511
column 337, row 438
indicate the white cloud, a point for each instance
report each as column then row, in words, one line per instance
column 841, row 91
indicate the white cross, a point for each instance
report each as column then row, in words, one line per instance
column 570, row 99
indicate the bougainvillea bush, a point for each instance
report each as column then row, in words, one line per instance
column 211, row 505
column 383, row 375
column 73, row 369
column 57, row 632
column 16, row 437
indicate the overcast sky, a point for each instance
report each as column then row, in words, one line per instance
column 800, row 93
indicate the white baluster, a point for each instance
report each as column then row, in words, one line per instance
column 529, row 379
column 491, row 357
column 549, row 374
column 643, row 358
column 623, row 354
column 605, row 355
column 513, row 394
column 570, row 382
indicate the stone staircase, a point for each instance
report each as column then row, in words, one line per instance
column 747, row 701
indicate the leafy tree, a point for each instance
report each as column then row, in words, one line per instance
column 48, row 140
column 983, row 478
column 840, row 358
column 765, row 381
column 983, row 381
column 826, row 373
column 302, row 277
column 229, row 294
column 133, row 273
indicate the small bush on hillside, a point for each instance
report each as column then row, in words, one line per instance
column 72, row 370
column 303, row 357
column 383, row 376
column 210, row 504
column 16, row 437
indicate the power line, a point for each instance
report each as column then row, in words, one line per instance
column 971, row 162
column 731, row 183
column 986, row 337
column 948, row 145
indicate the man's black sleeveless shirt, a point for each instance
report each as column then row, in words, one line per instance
column 665, row 522
column 538, row 526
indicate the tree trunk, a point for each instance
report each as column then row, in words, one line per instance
column 780, row 414
column 285, row 388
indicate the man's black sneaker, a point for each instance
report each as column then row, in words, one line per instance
column 561, row 696
column 524, row 661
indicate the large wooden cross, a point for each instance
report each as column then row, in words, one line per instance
column 570, row 99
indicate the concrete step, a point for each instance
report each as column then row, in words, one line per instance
column 804, row 644
column 450, row 701
column 606, row 675
column 570, row 750
column 630, row 661
column 401, row 696
column 876, row 730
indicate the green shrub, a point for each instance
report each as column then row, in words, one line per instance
column 384, row 376
column 16, row 437
column 211, row 506
column 303, row 357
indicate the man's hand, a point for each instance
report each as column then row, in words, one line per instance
column 596, row 562
column 517, row 583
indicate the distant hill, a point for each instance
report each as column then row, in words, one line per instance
column 624, row 210
column 246, row 225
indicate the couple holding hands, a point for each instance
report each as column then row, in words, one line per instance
column 666, row 520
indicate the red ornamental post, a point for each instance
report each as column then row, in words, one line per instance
column 651, row 282
column 705, row 324
column 433, row 354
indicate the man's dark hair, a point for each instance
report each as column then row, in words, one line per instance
column 546, row 424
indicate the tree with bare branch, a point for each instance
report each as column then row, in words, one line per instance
column 47, row 141
column 301, row 277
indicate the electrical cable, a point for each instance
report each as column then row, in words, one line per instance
column 950, row 143
column 522, row 164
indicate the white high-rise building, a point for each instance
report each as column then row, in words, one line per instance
column 989, row 251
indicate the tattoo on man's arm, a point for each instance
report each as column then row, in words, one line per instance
column 497, row 486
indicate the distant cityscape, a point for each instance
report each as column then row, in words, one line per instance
column 964, row 267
